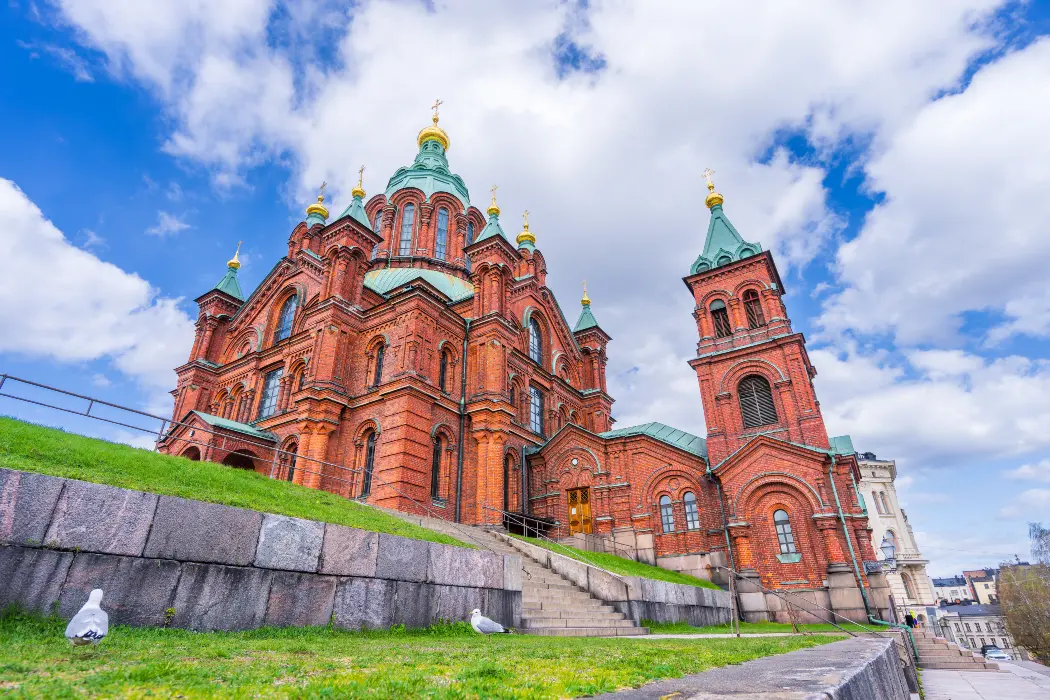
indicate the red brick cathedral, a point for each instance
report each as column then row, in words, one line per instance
column 409, row 341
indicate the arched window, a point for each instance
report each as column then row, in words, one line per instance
column 878, row 505
column 892, row 537
column 443, row 372
column 470, row 239
column 885, row 505
column 756, row 402
column 435, row 467
column 285, row 318
column 292, row 451
column 535, row 341
column 692, row 513
column 784, row 534
column 442, row 234
column 377, row 373
column 271, row 389
column 909, row 586
column 378, row 220
column 302, row 380
column 408, row 220
column 370, row 462
column 514, row 398
column 753, row 309
column 666, row 514
column 536, row 410
column 720, row 317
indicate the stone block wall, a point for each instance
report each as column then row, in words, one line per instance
column 171, row 561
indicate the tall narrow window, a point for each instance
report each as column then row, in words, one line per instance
column 285, row 319
column 666, row 514
column 408, row 220
column 756, row 402
column 470, row 239
column 442, row 234
column 692, row 513
column 878, row 506
column 293, row 449
column 885, row 505
column 514, row 399
column 753, row 309
column 378, row 221
column 370, row 462
column 271, row 389
column 435, row 468
column 443, row 372
column 720, row 317
column 535, row 341
column 377, row 374
column 536, row 410
column 784, row 534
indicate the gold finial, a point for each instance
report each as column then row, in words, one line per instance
column 713, row 198
column 359, row 190
column 437, row 103
column 526, row 236
column 586, row 301
column 319, row 207
column 494, row 208
column 434, row 132
column 235, row 262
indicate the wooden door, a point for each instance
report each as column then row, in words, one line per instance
column 579, row 510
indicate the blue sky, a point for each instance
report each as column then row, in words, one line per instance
column 892, row 155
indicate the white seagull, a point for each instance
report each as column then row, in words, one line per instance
column 89, row 625
column 483, row 625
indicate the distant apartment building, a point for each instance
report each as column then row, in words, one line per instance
column 974, row 626
column 983, row 585
column 909, row 582
column 955, row 589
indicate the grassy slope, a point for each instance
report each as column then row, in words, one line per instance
column 621, row 565
column 751, row 628
column 48, row 451
column 36, row 661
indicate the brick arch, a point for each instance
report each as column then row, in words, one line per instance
column 721, row 294
column 751, row 365
column 809, row 541
column 545, row 328
column 759, row 481
column 649, row 490
column 366, row 426
column 445, row 431
column 566, row 456
column 752, row 283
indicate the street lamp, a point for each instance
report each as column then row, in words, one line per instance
column 889, row 553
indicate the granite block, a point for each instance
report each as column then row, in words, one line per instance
column 300, row 600
column 402, row 559
column 292, row 544
column 575, row 571
column 364, row 603
column 348, row 551
column 103, row 519
column 134, row 591
column 27, row 501
column 411, row 604
column 203, row 532
column 214, row 597
column 512, row 572
column 605, row 586
column 32, row 578
column 456, row 566
column 454, row 603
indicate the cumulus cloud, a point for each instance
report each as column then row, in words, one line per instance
column 167, row 224
column 82, row 308
column 1030, row 504
column 1036, row 471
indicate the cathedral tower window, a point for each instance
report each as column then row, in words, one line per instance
column 753, row 309
column 720, row 317
column 370, row 462
column 292, row 451
column 285, row 319
column 756, row 402
column 692, row 513
column 435, row 467
column 378, row 221
column 377, row 372
column 785, row 537
column 666, row 514
column 535, row 341
column 271, row 389
column 442, row 234
column 408, row 220
column 470, row 239
column 536, row 410
column 443, row 372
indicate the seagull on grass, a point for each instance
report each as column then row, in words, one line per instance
column 483, row 625
column 89, row 625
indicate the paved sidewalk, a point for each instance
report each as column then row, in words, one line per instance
column 1012, row 682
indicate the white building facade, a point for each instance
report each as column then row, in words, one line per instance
column 974, row 626
column 909, row 582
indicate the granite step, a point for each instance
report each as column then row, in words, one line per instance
column 533, row 613
column 959, row 665
column 572, row 622
column 587, row 631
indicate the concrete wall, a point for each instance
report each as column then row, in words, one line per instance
column 171, row 561
column 637, row 598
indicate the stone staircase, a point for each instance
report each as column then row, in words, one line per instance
column 553, row 606
column 937, row 652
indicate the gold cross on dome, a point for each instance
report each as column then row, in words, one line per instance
column 437, row 103
column 493, row 189
column 360, row 175
column 323, row 185
column 708, row 172
column 526, row 215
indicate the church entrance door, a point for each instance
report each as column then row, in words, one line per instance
column 579, row 510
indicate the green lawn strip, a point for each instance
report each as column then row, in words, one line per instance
column 751, row 628
column 620, row 565
column 34, row 448
column 449, row 662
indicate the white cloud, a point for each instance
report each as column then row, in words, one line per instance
column 82, row 308
column 92, row 239
column 100, row 380
column 67, row 58
column 139, row 440
column 1031, row 504
column 166, row 224
column 1036, row 471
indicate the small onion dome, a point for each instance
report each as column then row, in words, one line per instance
column 359, row 190
column 433, row 133
column 235, row 261
column 493, row 209
column 526, row 236
column 586, row 300
column 713, row 199
column 318, row 208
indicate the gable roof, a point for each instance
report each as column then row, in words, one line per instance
column 227, row 424
column 229, row 284
column 664, row 433
column 586, row 321
column 387, row 279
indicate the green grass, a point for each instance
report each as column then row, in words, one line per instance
column 750, row 628
column 620, row 565
column 34, row 448
column 449, row 662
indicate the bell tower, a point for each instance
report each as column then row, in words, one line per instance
column 754, row 372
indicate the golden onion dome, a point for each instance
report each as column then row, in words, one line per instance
column 586, row 300
column 235, row 261
column 713, row 198
column 526, row 236
column 433, row 133
column 319, row 207
column 359, row 190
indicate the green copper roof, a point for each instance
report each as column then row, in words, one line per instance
column 587, row 320
column 382, row 281
column 492, row 228
column 230, row 285
column 233, row 425
column 664, row 433
column 842, row 445
column 429, row 172
column 356, row 211
column 724, row 245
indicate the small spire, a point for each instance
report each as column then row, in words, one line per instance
column 526, row 237
column 319, row 207
column 713, row 198
column 494, row 208
column 235, row 261
column 359, row 190
column 586, row 301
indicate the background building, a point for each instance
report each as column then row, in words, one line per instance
column 973, row 626
column 983, row 585
column 952, row 590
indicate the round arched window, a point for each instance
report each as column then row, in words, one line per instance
column 666, row 514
